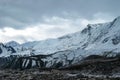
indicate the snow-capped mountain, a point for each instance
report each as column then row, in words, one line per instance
column 18, row 47
column 106, row 35
column 6, row 50
column 12, row 44
column 95, row 39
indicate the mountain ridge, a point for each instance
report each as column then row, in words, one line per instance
column 85, row 39
column 95, row 39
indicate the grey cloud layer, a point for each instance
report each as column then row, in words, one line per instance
column 20, row 13
column 51, row 18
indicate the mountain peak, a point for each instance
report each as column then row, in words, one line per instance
column 12, row 43
column 118, row 18
column 1, row 44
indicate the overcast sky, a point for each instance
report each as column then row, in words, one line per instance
column 30, row 20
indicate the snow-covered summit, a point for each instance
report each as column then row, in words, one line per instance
column 106, row 35
column 96, row 39
column 12, row 44
column 6, row 50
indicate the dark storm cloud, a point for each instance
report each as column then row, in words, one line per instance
column 22, row 13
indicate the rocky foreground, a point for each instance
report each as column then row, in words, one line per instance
column 35, row 74
column 93, row 67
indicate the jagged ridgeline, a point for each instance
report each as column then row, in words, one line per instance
column 22, row 62
column 96, row 39
column 92, row 63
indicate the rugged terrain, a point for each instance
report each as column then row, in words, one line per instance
column 94, row 50
column 93, row 67
column 34, row 74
